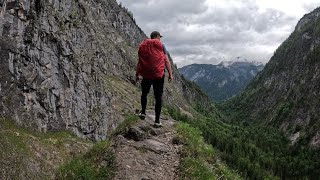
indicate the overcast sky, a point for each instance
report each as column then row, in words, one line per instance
column 211, row 31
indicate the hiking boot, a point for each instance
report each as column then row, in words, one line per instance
column 142, row 116
column 157, row 125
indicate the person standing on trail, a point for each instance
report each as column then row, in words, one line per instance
column 151, row 69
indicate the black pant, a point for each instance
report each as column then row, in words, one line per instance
column 158, row 91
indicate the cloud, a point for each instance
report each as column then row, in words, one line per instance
column 308, row 7
column 209, row 31
column 155, row 11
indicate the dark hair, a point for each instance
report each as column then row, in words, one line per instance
column 155, row 34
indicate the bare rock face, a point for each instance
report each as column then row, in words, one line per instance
column 56, row 59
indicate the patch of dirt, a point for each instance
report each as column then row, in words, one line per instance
column 145, row 152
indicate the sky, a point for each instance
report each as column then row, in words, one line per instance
column 211, row 31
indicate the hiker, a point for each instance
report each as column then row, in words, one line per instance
column 151, row 69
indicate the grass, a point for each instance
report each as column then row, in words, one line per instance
column 46, row 151
column 19, row 146
column 191, row 168
column 194, row 144
column 97, row 163
column 124, row 125
column 199, row 159
column 195, row 154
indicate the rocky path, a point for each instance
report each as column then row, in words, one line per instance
column 147, row 153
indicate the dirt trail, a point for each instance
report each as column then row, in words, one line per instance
column 145, row 152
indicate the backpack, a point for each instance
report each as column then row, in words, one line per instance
column 151, row 59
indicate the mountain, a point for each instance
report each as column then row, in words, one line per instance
column 67, row 71
column 224, row 80
column 286, row 93
column 68, row 66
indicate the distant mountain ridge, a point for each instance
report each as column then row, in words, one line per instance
column 224, row 80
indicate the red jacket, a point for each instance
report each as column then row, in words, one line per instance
column 151, row 59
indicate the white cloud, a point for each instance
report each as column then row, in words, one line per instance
column 209, row 31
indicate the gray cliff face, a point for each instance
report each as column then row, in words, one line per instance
column 56, row 58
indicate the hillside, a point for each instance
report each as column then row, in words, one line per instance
column 274, row 132
column 224, row 80
column 285, row 94
column 271, row 130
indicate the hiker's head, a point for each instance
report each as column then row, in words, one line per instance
column 155, row 34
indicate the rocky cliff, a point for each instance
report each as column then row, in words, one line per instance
column 286, row 93
column 70, row 65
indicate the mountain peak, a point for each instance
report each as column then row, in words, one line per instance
column 240, row 61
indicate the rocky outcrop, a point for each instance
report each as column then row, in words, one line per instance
column 56, row 58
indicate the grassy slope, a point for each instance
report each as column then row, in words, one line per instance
column 198, row 159
column 26, row 154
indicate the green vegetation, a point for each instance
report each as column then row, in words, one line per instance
column 97, row 163
column 195, row 154
column 198, row 158
column 195, row 145
column 191, row 168
column 280, row 97
column 257, row 152
column 193, row 86
column 49, row 150
column 20, row 146
column 124, row 125
column 314, row 55
column 215, row 75
column 317, row 28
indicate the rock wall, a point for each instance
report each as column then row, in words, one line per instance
column 55, row 59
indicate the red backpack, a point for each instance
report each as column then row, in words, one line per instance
column 151, row 59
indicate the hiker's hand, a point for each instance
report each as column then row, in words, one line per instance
column 170, row 78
